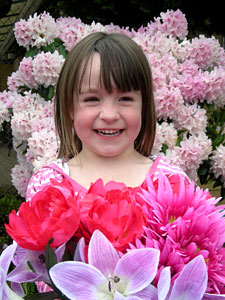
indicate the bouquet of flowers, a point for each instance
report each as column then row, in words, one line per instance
column 188, row 86
column 163, row 241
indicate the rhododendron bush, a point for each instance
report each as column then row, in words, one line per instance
column 188, row 83
column 162, row 241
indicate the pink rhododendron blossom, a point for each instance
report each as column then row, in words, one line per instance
column 38, row 30
column 191, row 153
column 21, row 175
column 4, row 114
column 167, row 101
column 26, row 72
column 173, row 23
column 46, row 68
column 70, row 31
column 23, row 33
column 204, row 51
column 183, row 222
column 8, row 98
column 165, row 134
column 14, row 81
column 215, row 86
column 26, row 111
column 43, row 147
column 193, row 88
column 218, row 162
column 192, row 118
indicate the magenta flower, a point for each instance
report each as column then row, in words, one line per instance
column 107, row 276
column 183, row 222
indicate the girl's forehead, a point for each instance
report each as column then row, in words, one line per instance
column 91, row 76
column 92, row 71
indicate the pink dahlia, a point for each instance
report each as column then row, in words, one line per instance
column 183, row 222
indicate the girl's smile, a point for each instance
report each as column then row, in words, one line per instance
column 106, row 123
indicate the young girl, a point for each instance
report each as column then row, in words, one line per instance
column 104, row 116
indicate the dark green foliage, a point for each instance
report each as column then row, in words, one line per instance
column 8, row 202
column 203, row 17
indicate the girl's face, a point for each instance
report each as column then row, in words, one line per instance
column 107, row 124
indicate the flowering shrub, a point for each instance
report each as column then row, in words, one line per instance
column 165, row 242
column 188, row 82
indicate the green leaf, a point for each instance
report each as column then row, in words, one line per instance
column 51, row 91
column 62, row 51
column 211, row 131
column 50, row 256
column 219, row 140
column 50, row 48
column 32, row 52
column 43, row 296
column 30, row 266
column 164, row 148
column 58, row 42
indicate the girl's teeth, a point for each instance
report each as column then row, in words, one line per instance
column 108, row 132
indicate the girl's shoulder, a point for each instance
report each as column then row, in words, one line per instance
column 161, row 165
column 57, row 169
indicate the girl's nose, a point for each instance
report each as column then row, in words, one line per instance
column 109, row 111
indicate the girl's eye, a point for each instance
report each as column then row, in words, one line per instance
column 126, row 99
column 91, row 99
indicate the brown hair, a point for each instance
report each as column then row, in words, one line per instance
column 122, row 61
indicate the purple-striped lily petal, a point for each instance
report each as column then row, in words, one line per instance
column 2, row 281
column 164, row 283
column 149, row 293
column 17, row 288
column 192, row 281
column 138, row 267
column 213, row 297
column 22, row 271
column 134, row 298
column 119, row 296
column 60, row 251
column 101, row 254
column 77, row 280
column 7, row 256
column 11, row 295
column 79, row 252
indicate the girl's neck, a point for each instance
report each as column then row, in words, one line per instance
column 90, row 158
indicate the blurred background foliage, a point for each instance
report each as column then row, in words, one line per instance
column 203, row 17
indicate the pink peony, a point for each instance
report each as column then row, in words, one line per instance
column 53, row 212
column 184, row 222
column 114, row 210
